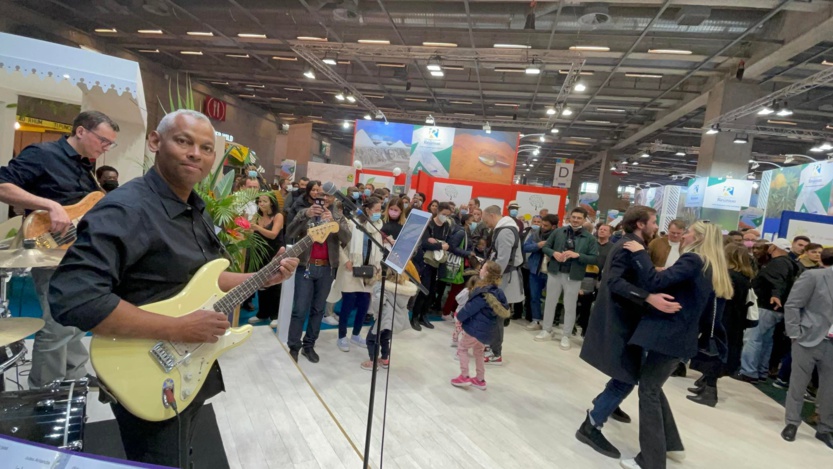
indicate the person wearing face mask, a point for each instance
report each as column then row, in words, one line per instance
column 479, row 230
column 513, row 210
column 417, row 200
column 537, row 264
column 458, row 244
column 355, row 291
column 570, row 250
column 297, row 191
column 394, row 218
column 108, row 177
column 526, row 306
column 434, row 241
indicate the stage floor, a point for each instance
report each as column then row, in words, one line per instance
column 270, row 418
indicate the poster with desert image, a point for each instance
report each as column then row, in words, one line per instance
column 382, row 146
column 484, row 157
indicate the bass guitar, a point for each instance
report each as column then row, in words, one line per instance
column 138, row 372
column 37, row 224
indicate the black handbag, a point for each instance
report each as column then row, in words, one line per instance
column 365, row 271
column 710, row 350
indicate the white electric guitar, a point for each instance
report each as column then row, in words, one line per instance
column 139, row 371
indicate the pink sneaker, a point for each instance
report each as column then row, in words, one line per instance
column 461, row 381
column 477, row 384
column 385, row 362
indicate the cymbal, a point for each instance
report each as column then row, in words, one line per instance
column 16, row 329
column 22, row 258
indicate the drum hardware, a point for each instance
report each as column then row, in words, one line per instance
column 17, row 329
column 30, row 257
column 54, row 415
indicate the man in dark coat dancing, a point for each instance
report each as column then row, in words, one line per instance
column 617, row 311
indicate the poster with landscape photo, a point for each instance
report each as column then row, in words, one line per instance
column 382, row 146
column 484, row 157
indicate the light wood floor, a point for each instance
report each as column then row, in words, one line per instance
column 270, row 418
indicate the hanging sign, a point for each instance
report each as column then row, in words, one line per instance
column 563, row 173
column 214, row 108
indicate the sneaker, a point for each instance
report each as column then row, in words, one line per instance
column 385, row 362
column 629, row 464
column 678, row 456
column 294, row 355
column 593, row 437
column 274, row 324
column 478, row 384
column 746, row 379
column 454, row 343
column 343, row 344
column 620, row 416
column 534, row 326
column 448, row 317
column 461, row 381
column 543, row 336
column 255, row 320
column 330, row 320
column 565, row 343
column 367, row 365
column 488, row 353
column 310, row 354
column 780, row 384
column 357, row 339
column 809, row 398
column 493, row 360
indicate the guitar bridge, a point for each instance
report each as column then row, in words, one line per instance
column 163, row 356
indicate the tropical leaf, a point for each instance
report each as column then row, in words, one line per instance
column 223, row 188
column 178, row 94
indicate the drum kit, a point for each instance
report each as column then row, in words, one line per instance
column 53, row 415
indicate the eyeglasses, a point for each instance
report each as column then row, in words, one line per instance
column 106, row 143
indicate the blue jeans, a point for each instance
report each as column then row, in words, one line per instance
column 604, row 404
column 358, row 300
column 754, row 360
column 537, row 285
column 312, row 285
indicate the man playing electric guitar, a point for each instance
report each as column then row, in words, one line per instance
column 46, row 176
column 140, row 244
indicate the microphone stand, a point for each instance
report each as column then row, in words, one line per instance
column 348, row 213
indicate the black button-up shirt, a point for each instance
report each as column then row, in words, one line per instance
column 52, row 170
column 140, row 244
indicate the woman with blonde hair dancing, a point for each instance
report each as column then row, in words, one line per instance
column 696, row 280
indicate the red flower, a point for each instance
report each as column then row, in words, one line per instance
column 242, row 223
column 234, row 234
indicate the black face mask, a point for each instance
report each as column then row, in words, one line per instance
column 110, row 185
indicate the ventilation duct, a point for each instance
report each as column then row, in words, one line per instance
column 594, row 15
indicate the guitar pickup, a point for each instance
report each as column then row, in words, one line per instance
column 163, row 356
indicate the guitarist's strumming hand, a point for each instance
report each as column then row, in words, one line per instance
column 59, row 218
column 287, row 268
column 199, row 327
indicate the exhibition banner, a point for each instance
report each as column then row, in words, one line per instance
column 342, row 176
column 382, row 146
column 696, row 192
column 814, row 185
column 484, row 157
column 727, row 194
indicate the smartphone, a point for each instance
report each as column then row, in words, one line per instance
column 319, row 202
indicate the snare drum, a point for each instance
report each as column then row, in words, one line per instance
column 54, row 415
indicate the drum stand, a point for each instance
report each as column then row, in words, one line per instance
column 5, row 277
column 13, row 354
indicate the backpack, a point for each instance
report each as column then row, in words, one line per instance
column 492, row 251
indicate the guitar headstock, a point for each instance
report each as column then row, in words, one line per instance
column 319, row 232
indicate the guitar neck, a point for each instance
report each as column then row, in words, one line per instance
column 240, row 293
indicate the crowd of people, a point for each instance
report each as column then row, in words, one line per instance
column 648, row 305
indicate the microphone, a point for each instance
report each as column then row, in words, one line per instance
column 331, row 189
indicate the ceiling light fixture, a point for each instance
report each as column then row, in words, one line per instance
column 509, row 70
column 439, row 44
column 105, row 30
column 150, row 31
column 416, row 100
column 533, row 68
column 741, row 139
column 827, row 62
column 200, row 33
column 669, row 51
column 713, row 130
column 580, row 87
column 645, row 155
column 487, row 128
column 453, row 67
column 550, row 111
column 219, row 83
column 346, row 124
column 635, row 163
column 511, row 46
column 252, row 35
column 246, row 95
column 460, row 102
column 238, row 56
column 770, row 121
column 765, row 111
column 190, row 52
column 329, row 59
column 643, row 75
column 567, row 112
column 309, row 73
column 430, row 120
column 437, row 73
column 340, row 96
column 312, row 38
column 254, row 86
column 554, row 130
column 590, row 121
column 367, row 117
column 506, row 104
column 590, row 48
column 149, row 51
column 583, row 72
column 383, row 42
column 608, row 109
column 434, row 64
column 680, row 153
column 542, row 139
column 390, row 65
column 350, row 97
column 294, row 89
column 286, row 59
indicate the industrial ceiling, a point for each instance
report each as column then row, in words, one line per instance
column 627, row 76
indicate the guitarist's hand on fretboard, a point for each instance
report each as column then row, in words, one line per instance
column 199, row 327
column 287, row 268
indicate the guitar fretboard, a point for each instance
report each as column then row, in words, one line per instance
column 240, row 293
